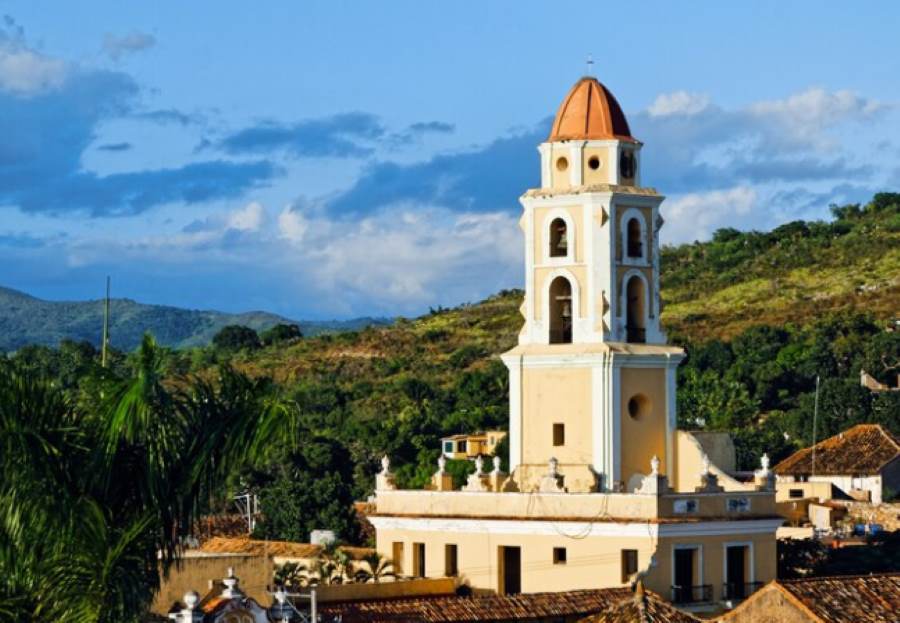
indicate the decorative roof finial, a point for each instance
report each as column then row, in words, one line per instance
column 442, row 464
column 705, row 460
column 764, row 461
column 496, row 464
column 553, row 466
column 654, row 466
column 385, row 465
column 479, row 465
column 590, row 65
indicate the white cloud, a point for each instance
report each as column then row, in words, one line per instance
column 118, row 46
column 695, row 216
column 803, row 117
column 678, row 103
column 292, row 225
column 248, row 218
column 26, row 72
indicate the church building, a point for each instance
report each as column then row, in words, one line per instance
column 602, row 487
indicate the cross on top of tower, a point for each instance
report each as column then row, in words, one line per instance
column 590, row 65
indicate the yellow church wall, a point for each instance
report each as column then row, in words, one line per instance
column 560, row 179
column 540, row 288
column 590, row 562
column 542, row 233
column 593, row 562
column 644, row 436
column 600, row 175
column 556, row 396
column 712, row 551
column 689, row 466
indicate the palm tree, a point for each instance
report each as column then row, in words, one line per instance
column 376, row 568
column 97, row 494
column 291, row 575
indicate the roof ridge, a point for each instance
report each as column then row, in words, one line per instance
column 855, row 576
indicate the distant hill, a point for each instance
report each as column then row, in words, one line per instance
column 25, row 319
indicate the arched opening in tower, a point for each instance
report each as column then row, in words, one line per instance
column 635, row 311
column 560, row 311
column 559, row 238
column 635, row 244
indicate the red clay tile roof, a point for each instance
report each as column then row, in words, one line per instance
column 645, row 607
column 863, row 449
column 454, row 608
column 590, row 112
column 860, row 599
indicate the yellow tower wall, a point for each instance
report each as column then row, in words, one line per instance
column 556, row 395
column 644, row 436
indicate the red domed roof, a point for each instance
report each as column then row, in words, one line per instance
column 590, row 112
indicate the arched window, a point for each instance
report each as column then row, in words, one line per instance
column 634, row 246
column 559, row 238
column 560, row 311
column 635, row 311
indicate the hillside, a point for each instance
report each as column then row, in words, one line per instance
column 794, row 273
column 26, row 320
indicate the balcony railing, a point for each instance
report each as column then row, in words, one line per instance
column 692, row 594
column 739, row 590
column 636, row 335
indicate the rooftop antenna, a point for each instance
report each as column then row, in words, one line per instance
column 815, row 418
column 105, row 326
column 590, row 65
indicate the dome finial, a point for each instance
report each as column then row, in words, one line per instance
column 590, row 66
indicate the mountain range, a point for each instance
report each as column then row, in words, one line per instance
column 25, row 319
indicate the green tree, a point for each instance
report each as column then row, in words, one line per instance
column 281, row 333
column 96, row 495
column 236, row 337
column 308, row 489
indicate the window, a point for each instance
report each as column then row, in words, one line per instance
column 461, row 446
column 629, row 564
column 562, row 164
column 419, row 560
column 638, row 406
column 634, row 246
column 685, row 506
column 559, row 434
column 448, row 446
column 795, row 493
column 451, row 565
column 634, row 313
column 559, row 238
column 559, row 555
column 397, row 557
column 738, row 505
column 594, row 163
column 560, row 311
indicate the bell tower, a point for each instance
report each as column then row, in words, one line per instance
column 592, row 363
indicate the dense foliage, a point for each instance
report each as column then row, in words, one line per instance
column 99, row 483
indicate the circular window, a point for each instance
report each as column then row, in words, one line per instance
column 594, row 162
column 639, row 406
column 562, row 164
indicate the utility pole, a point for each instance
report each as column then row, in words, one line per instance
column 815, row 419
column 103, row 346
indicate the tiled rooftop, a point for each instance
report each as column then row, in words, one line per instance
column 454, row 608
column 643, row 607
column 861, row 599
column 863, row 449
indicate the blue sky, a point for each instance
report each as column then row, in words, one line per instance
column 331, row 159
